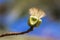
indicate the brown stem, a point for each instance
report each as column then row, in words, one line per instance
column 17, row 33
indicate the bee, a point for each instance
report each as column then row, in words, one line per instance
column 35, row 17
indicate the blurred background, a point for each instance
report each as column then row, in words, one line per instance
column 14, row 16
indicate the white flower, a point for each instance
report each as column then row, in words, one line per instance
column 35, row 17
column 37, row 12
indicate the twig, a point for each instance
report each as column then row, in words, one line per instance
column 17, row 33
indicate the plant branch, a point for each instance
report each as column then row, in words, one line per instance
column 16, row 33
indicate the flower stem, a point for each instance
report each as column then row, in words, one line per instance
column 17, row 33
